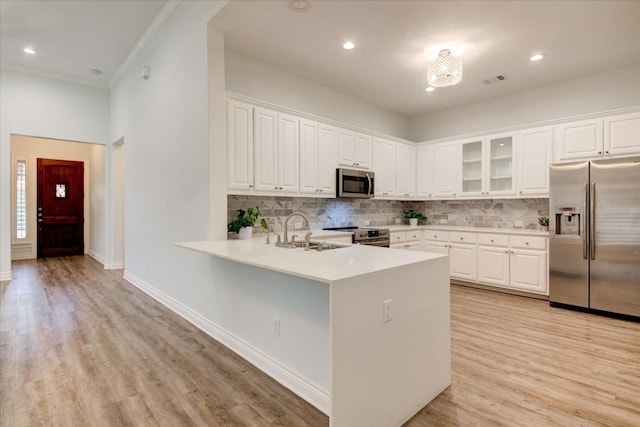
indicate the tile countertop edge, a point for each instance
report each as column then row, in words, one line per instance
column 332, row 267
column 522, row 231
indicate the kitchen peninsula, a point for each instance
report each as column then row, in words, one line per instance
column 360, row 332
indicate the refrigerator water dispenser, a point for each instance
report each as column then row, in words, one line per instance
column 568, row 220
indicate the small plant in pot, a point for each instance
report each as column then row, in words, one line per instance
column 544, row 222
column 414, row 217
column 243, row 223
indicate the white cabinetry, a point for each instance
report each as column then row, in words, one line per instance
column 622, row 134
column 405, row 169
column 516, row 262
column 406, row 240
column 462, row 255
column 424, row 172
column 318, row 152
column 354, row 149
column 579, row 140
column 384, row 165
column 534, row 156
column 528, row 263
column 239, row 145
column 487, row 166
column 445, row 169
column 493, row 259
column 276, row 144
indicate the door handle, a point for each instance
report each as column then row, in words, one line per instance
column 592, row 221
column 584, row 222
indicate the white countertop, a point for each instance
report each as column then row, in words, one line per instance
column 326, row 266
column 520, row 231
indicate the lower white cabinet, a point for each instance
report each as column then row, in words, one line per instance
column 516, row 262
column 462, row 261
column 493, row 265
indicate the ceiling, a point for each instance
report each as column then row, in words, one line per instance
column 394, row 41
column 73, row 37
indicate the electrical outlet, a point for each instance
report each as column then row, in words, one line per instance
column 519, row 223
column 297, row 226
column 443, row 221
column 275, row 326
column 386, row 311
column 367, row 222
column 398, row 220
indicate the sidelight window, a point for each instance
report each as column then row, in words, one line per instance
column 21, row 199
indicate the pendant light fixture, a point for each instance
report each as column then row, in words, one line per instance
column 445, row 70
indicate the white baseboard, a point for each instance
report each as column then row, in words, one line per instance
column 93, row 254
column 313, row 394
column 108, row 265
column 114, row 265
column 6, row 275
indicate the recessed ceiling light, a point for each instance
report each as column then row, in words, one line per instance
column 348, row 45
column 299, row 5
column 29, row 50
column 537, row 57
column 430, row 89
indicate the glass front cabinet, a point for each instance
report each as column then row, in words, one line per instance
column 487, row 166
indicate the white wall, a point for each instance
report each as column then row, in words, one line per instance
column 43, row 107
column 250, row 77
column 164, row 122
column 589, row 94
column 92, row 155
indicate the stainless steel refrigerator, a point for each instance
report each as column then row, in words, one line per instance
column 594, row 235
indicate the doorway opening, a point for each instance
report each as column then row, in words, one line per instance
column 25, row 150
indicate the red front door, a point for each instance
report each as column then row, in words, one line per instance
column 60, row 208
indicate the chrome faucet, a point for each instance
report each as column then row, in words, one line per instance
column 286, row 223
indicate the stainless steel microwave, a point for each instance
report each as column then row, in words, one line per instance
column 355, row 183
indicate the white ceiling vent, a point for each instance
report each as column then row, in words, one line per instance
column 496, row 79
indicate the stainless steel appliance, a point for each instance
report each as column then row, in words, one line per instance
column 355, row 183
column 367, row 236
column 594, row 252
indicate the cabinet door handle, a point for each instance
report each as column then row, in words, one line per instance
column 599, row 152
column 606, row 152
column 250, row 186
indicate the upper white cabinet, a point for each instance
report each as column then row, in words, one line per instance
column 239, row 145
column 405, row 171
column 617, row 135
column 534, row 152
column 487, row 165
column 579, row 140
column 472, row 167
column 276, row 144
column 384, row 165
column 445, row 169
column 318, row 154
column 424, row 172
column 622, row 134
column 354, row 149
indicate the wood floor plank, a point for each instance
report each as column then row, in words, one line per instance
column 80, row 346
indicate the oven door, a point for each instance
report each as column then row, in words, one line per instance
column 379, row 243
column 353, row 183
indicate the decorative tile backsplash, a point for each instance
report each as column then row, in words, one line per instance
column 493, row 213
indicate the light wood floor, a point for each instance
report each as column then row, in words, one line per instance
column 80, row 346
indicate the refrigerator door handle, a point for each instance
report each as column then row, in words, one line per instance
column 584, row 222
column 592, row 221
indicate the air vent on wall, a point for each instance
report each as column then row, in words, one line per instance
column 496, row 79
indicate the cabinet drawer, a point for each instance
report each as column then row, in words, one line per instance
column 397, row 237
column 458, row 237
column 414, row 235
column 529, row 242
column 493, row 239
column 439, row 236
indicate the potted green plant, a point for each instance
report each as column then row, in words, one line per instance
column 544, row 223
column 414, row 217
column 244, row 221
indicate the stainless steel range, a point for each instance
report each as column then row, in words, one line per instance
column 367, row 236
